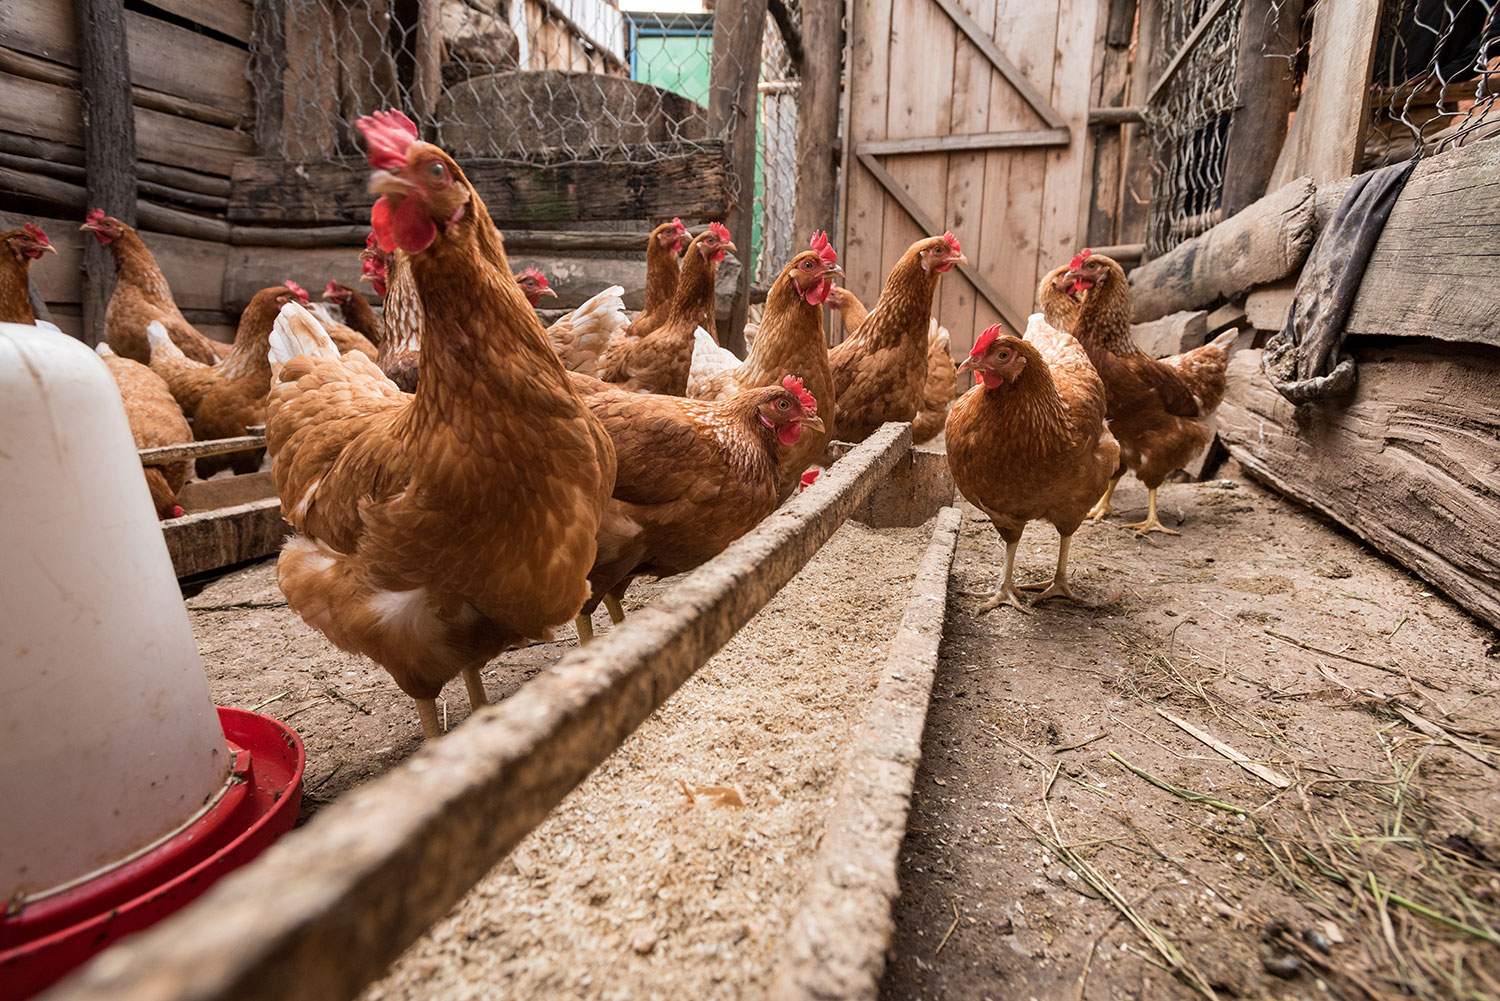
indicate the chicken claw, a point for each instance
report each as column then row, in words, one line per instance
column 1102, row 508
column 1058, row 586
column 1151, row 524
column 1007, row 595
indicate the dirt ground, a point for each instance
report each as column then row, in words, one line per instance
column 632, row 888
column 1042, row 862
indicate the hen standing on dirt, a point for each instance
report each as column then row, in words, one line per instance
column 880, row 369
column 436, row 529
column 1028, row 442
column 1157, row 409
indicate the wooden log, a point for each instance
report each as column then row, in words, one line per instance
column 842, row 925
column 818, row 69
column 1431, row 274
column 227, row 17
column 1109, row 159
column 1408, row 464
column 1265, row 84
column 157, row 173
column 223, row 537
column 76, row 174
column 1114, row 115
column 72, row 196
column 1266, row 306
column 693, row 183
column 109, row 142
column 732, row 113
column 1171, row 334
column 426, row 831
column 1267, row 241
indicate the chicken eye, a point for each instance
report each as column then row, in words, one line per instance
column 806, row 265
column 437, row 171
column 781, row 404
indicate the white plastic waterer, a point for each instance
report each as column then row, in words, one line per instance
column 109, row 740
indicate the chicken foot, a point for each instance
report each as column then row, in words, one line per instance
column 475, row 684
column 1102, row 508
column 1151, row 524
column 1008, row 595
column 1058, row 587
column 427, row 713
column 585, row 628
column 616, row 611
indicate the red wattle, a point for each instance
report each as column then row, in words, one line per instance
column 789, row 433
column 407, row 226
column 817, row 295
column 991, row 380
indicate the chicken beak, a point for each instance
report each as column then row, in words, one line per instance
column 548, row 291
column 383, row 182
column 833, row 269
column 960, row 259
column 815, row 422
column 728, row 246
column 967, row 366
column 49, row 248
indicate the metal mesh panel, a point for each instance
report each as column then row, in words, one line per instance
column 1437, row 71
column 528, row 81
column 776, row 157
column 1188, row 121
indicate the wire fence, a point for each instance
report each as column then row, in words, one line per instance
column 1188, row 120
column 525, row 81
column 776, row 156
column 1437, row 72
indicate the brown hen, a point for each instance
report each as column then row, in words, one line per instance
column 155, row 420
column 21, row 247
column 942, row 383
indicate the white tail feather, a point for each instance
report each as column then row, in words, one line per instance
column 298, row 332
column 1226, row 340
column 104, row 350
column 161, row 341
column 603, row 312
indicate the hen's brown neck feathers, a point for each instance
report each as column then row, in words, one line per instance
column 905, row 304
column 790, row 327
column 135, row 265
column 694, row 299
column 1104, row 317
column 247, row 359
column 662, row 268
column 360, row 317
column 1033, row 401
column 15, row 304
column 1059, row 308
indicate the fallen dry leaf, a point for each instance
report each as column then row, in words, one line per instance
column 713, row 795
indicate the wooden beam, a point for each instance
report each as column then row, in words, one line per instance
column 1136, row 175
column 1332, row 115
column 1266, row 242
column 1114, row 116
column 1265, row 83
column 1407, row 463
column 1013, row 317
column 212, row 540
column 375, row 869
column 982, row 40
column 732, row 112
column 109, row 142
column 842, row 925
column 428, row 83
column 818, row 101
column 198, row 449
column 1175, row 63
column 693, row 183
column 956, row 144
column 186, row 180
column 74, row 196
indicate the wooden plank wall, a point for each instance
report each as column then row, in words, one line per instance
column 1018, row 211
column 193, row 109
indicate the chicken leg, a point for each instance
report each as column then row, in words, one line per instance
column 427, row 713
column 1102, row 509
column 1058, row 588
column 616, row 612
column 1008, row 595
column 475, row 684
column 1151, row 524
column 585, row 629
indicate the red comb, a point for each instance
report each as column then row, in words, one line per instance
column 298, row 289
column 94, row 217
column 824, row 248
column 680, row 227
column 35, row 232
column 952, row 242
column 793, row 385
column 372, row 266
column 985, row 340
column 1079, row 258
column 331, row 288
column 177, row 510
column 540, row 278
column 370, row 242
column 388, row 135
column 720, row 231
column 810, row 477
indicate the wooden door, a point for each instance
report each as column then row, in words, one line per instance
column 970, row 116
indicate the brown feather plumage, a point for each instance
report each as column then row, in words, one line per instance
column 155, row 420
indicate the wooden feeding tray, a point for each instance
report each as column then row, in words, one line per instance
column 225, row 521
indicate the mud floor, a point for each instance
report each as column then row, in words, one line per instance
column 1070, row 841
column 672, row 872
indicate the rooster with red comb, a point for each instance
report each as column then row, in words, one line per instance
column 435, row 529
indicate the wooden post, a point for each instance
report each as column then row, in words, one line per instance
column 732, row 104
column 108, row 143
column 1135, row 183
column 427, row 81
column 1109, row 156
column 818, row 119
column 1264, row 84
column 267, row 65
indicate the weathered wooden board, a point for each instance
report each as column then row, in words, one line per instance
column 200, row 496
column 1409, row 463
column 426, row 831
column 693, row 185
column 224, row 536
column 1266, row 305
column 194, row 268
column 32, row 108
column 1335, row 114
column 1431, row 274
column 228, row 17
column 1266, row 242
column 1171, row 334
column 163, row 56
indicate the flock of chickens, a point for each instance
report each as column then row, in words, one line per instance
column 462, row 479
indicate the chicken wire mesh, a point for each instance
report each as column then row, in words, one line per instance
column 524, row 81
column 1437, row 71
column 1188, row 120
column 774, row 238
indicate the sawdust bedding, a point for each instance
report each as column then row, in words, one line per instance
column 674, row 869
